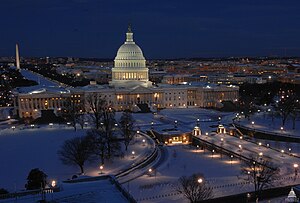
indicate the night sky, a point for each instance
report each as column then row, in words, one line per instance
column 162, row 28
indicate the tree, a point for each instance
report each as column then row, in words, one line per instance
column 126, row 126
column 36, row 179
column 96, row 105
column 261, row 173
column 76, row 151
column 3, row 191
column 286, row 106
column 104, row 118
column 194, row 188
column 72, row 110
column 99, row 140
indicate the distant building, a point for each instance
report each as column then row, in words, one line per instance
column 130, row 87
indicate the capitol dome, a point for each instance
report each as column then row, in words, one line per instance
column 130, row 65
column 130, row 54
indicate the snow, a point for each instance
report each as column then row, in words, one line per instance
column 264, row 122
column 94, row 191
column 38, row 78
column 23, row 150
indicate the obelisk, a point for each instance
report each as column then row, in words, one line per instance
column 17, row 57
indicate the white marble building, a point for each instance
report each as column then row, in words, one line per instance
column 130, row 87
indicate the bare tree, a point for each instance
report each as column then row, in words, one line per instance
column 76, row 151
column 261, row 173
column 96, row 105
column 98, row 142
column 126, row 126
column 103, row 116
column 73, row 108
column 194, row 188
column 286, row 106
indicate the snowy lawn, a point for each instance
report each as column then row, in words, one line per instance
column 265, row 122
column 183, row 160
column 23, row 150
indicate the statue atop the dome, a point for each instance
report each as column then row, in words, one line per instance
column 129, row 30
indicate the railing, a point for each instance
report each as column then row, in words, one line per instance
column 29, row 192
column 143, row 163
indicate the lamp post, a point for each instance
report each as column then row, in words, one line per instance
column 252, row 124
column 53, row 183
column 133, row 153
column 144, row 142
column 281, row 129
column 175, row 123
column 231, row 156
column 282, row 153
column 101, row 169
column 200, row 180
column 296, row 169
column 198, row 122
column 152, row 123
column 212, row 153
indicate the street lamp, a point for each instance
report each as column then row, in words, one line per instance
column 231, row 156
column 198, row 121
column 53, row 183
column 281, row 129
column 252, row 124
column 259, row 144
column 101, row 169
column 144, row 142
column 200, row 180
column 212, row 153
column 282, row 153
column 175, row 123
column 133, row 153
column 296, row 169
column 150, row 171
column 152, row 123
column 13, row 127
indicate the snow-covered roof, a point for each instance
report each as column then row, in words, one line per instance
column 38, row 89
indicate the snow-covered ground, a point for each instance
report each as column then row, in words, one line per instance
column 95, row 191
column 267, row 122
column 23, row 150
column 182, row 160
column 38, row 78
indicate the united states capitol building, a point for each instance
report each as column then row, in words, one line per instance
column 129, row 88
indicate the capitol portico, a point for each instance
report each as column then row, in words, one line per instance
column 130, row 88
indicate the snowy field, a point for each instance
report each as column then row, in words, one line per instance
column 183, row 160
column 265, row 122
column 23, row 150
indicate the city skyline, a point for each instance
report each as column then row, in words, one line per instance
column 89, row 28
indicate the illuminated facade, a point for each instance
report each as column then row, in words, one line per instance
column 130, row 86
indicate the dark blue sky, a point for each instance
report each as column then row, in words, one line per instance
column 162, row 28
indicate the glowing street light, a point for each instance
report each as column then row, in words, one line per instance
column 53, row 183
column 200, row 180
column 144, row 142
column 13, row 127
column 282, row 153
column 281, row 129
column 51, row 125
column 101, row 169
column 296, row 169
column 133, row 153
column 252, row 124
